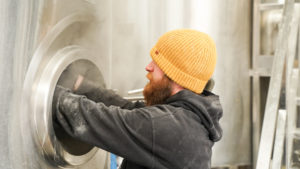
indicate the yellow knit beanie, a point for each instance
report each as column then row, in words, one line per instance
column 186, row 56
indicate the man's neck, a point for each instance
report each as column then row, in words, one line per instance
column 176, row 88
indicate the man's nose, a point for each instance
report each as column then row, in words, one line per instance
column 149, row 67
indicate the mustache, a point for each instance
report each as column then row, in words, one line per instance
column 149, row 76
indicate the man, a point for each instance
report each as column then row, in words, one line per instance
column 179, row 125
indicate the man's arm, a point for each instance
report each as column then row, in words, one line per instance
column 108, row 97
column 127, row 133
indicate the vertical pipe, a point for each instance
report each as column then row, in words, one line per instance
column 256, row 113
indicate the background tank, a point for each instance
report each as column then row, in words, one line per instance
column 137, row 25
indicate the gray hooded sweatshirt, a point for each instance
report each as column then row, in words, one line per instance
column 176, row 135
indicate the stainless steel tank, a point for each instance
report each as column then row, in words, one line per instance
column 49, row 42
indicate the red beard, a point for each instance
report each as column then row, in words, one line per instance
column 157, row 92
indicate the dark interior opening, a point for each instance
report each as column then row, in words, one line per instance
column 80, row 70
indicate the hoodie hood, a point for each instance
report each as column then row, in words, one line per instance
column 205, row 105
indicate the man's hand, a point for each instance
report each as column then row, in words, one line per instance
column 64, row 113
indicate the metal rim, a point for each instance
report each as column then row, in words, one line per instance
column 42, row 108
column 41, row 58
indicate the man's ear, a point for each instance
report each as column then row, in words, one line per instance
column 210, row 85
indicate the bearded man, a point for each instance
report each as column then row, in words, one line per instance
column 177, row 127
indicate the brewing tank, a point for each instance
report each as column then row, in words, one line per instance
column 47, row 43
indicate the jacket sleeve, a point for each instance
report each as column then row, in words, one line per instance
column 109, row 97
column 127, row 133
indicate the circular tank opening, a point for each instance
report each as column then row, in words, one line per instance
column 72, row 77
